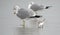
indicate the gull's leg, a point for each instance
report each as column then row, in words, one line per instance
column 40, row 24
column 23, row 23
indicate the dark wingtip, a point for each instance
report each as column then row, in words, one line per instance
column 37, row 16
column 47, row 7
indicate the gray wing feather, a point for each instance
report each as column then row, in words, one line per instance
column 23, row 13
column 36, row 7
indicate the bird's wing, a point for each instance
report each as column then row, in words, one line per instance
column 25, row 13
column 32, row 13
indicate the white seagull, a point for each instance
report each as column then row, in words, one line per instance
column 36, row 7
column 24, row 13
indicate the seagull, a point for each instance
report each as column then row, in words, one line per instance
column 23, row 13
column 36, row 7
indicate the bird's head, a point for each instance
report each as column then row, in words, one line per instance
column 30, row 5
column 15, row 9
